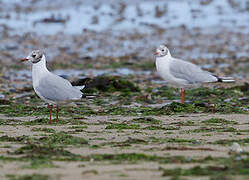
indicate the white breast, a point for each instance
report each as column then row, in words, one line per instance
column 162, row 66
column 39, row 70
column 163, row 69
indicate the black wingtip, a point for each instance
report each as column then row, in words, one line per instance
column 88, row 96
column 225, row 79
column 219, row 79
column 83, row 96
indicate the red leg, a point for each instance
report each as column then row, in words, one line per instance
column 182, row 95
column 50, row 120
column 57, row 112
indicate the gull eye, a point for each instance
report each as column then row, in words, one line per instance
column 162, row 50
column 33, row 55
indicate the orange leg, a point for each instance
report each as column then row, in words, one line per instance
column 50, row 120
column 182, row 95
column 57, row 112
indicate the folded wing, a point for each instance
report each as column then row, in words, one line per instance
column 189, row 72
column 55, row 88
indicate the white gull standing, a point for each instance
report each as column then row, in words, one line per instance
column 182, row 74
column 48, row 86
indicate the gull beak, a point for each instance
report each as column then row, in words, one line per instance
column 24, row 59
column 156, row 53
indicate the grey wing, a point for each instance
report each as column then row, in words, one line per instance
column 190, row 72
column 56, row 88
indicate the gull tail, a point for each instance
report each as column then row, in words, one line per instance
column 88, row 96
column 225, row 79
column 79, row 87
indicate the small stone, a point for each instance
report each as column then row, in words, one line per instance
column 197, row 142
column 189, row 158
column 2, row 96
column 235, row 148
column 228, row 100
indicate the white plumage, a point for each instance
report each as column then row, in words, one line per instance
column 182, row 74
column 48, row 86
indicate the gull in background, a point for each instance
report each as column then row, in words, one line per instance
column 182, row 74
column 51, row 88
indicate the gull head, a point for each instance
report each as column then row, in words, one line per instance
column 34, row 57
column 161, row 51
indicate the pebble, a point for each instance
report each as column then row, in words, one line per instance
column 2, row 96
column 235, row 148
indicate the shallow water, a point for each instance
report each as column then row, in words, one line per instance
column 143, row 16
column 200, row 31
column 23, row 75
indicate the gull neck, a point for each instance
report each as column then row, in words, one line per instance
column 39, row 69
column 41, row 65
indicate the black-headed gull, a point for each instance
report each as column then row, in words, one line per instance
column 182, row 74
column 48, row 86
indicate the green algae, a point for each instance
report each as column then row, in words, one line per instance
column 122, row 126
column 109, row 84
column 218, row 121
column 146, row 120
column 225, row 166
column 28, row 177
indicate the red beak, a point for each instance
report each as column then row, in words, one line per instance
column 156, row 53
column 24, row 59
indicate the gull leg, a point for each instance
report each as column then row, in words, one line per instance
column 57, row 112
column 182, row 95
column 50, row 119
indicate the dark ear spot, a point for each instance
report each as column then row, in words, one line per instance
column 37, row 58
